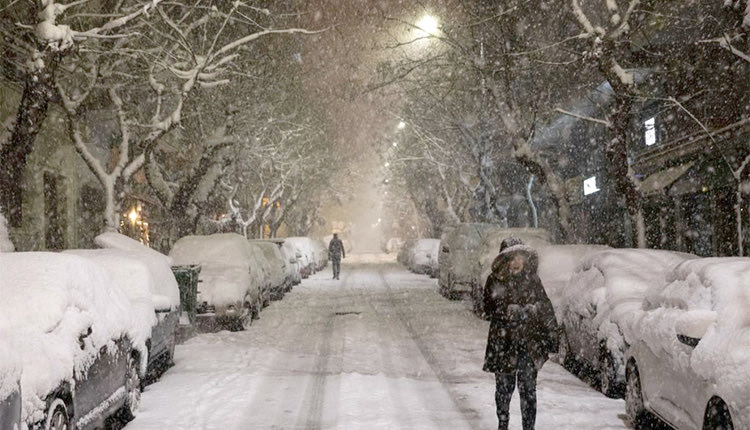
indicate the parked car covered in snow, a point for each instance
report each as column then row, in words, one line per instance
column 459, row 252
column 489, row 248
column 306, row 248
column 146, row 278
column 230, row 282
column 290, row 253
column 689, row 359
column 601, row 300
column 75, row 336
column 10, row 385
column 276, row 266
column 320, row 253
column 424, row 257
column 404, row 254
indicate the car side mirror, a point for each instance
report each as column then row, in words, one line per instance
column 292, row 260
column 689, row 341
column 693, row 325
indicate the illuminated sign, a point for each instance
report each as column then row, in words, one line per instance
column 589, row 186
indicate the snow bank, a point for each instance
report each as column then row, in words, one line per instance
column 708, row 298
column 164, row 288
column 225, row 261
column 5, row 244
column 49, row 300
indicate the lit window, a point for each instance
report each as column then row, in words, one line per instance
column 650, row 135
column 589, row 186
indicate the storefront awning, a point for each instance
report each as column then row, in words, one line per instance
column 660, row 180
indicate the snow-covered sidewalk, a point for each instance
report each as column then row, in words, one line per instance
column 378, row 349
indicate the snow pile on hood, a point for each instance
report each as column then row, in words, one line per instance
column 612, row 284
column 48, row 301
column 5, row 244
column 557, row 263
column 711, row 296
column 134, row 278
column 162, row 283
column 225, row 261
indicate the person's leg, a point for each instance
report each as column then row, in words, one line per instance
column 505, row 383
column 336, row 268
column 527, row 390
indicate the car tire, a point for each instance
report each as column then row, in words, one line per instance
column 634, row 406
column 565, row 357
column 608, row 376
column 717, row 416
column 246, row 318
column 57, row 416
column 133, row 390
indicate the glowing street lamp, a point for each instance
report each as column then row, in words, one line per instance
column 401, row 125
column 428, row 25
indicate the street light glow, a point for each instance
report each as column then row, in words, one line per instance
column 401, row 125
column 428, row 25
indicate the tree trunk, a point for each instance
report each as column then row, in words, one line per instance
column 617, row 165
column 32, row 112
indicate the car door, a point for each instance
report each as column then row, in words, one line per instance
column 674, row 389
column 100, row 383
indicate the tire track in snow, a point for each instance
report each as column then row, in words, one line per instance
column 311, row 412
column 471, row 416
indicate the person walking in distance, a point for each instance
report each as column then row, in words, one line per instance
column 523, row 329
column 335, row 253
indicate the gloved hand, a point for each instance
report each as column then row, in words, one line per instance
column 517, row 314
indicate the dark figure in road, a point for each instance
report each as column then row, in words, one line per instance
column 523, row 329
column 335, row 254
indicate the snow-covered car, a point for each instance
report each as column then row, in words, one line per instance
column 304, row 246
column 230, row 282
column 599, row 304
column 74, row 333
column 459, row 252
column 404, row 254
column 275, row 266
column 489, row 248
column 10, row 385
column 146, row 278
column 424, row 257
column 290, row 253
column 320, row 253
column 689, row 360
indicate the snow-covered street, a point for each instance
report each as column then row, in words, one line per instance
column 378, row 349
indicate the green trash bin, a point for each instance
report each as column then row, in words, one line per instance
column 187, row 280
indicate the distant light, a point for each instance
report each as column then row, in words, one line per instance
column 395, row 144
column 401, row 125
column 379, row 219
column 589, row 186
column 428, row 25
column 387, row 164
column 133, row 215
column 650, row 134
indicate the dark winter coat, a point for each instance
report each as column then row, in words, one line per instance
column 520, row 312
column 336, row 249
